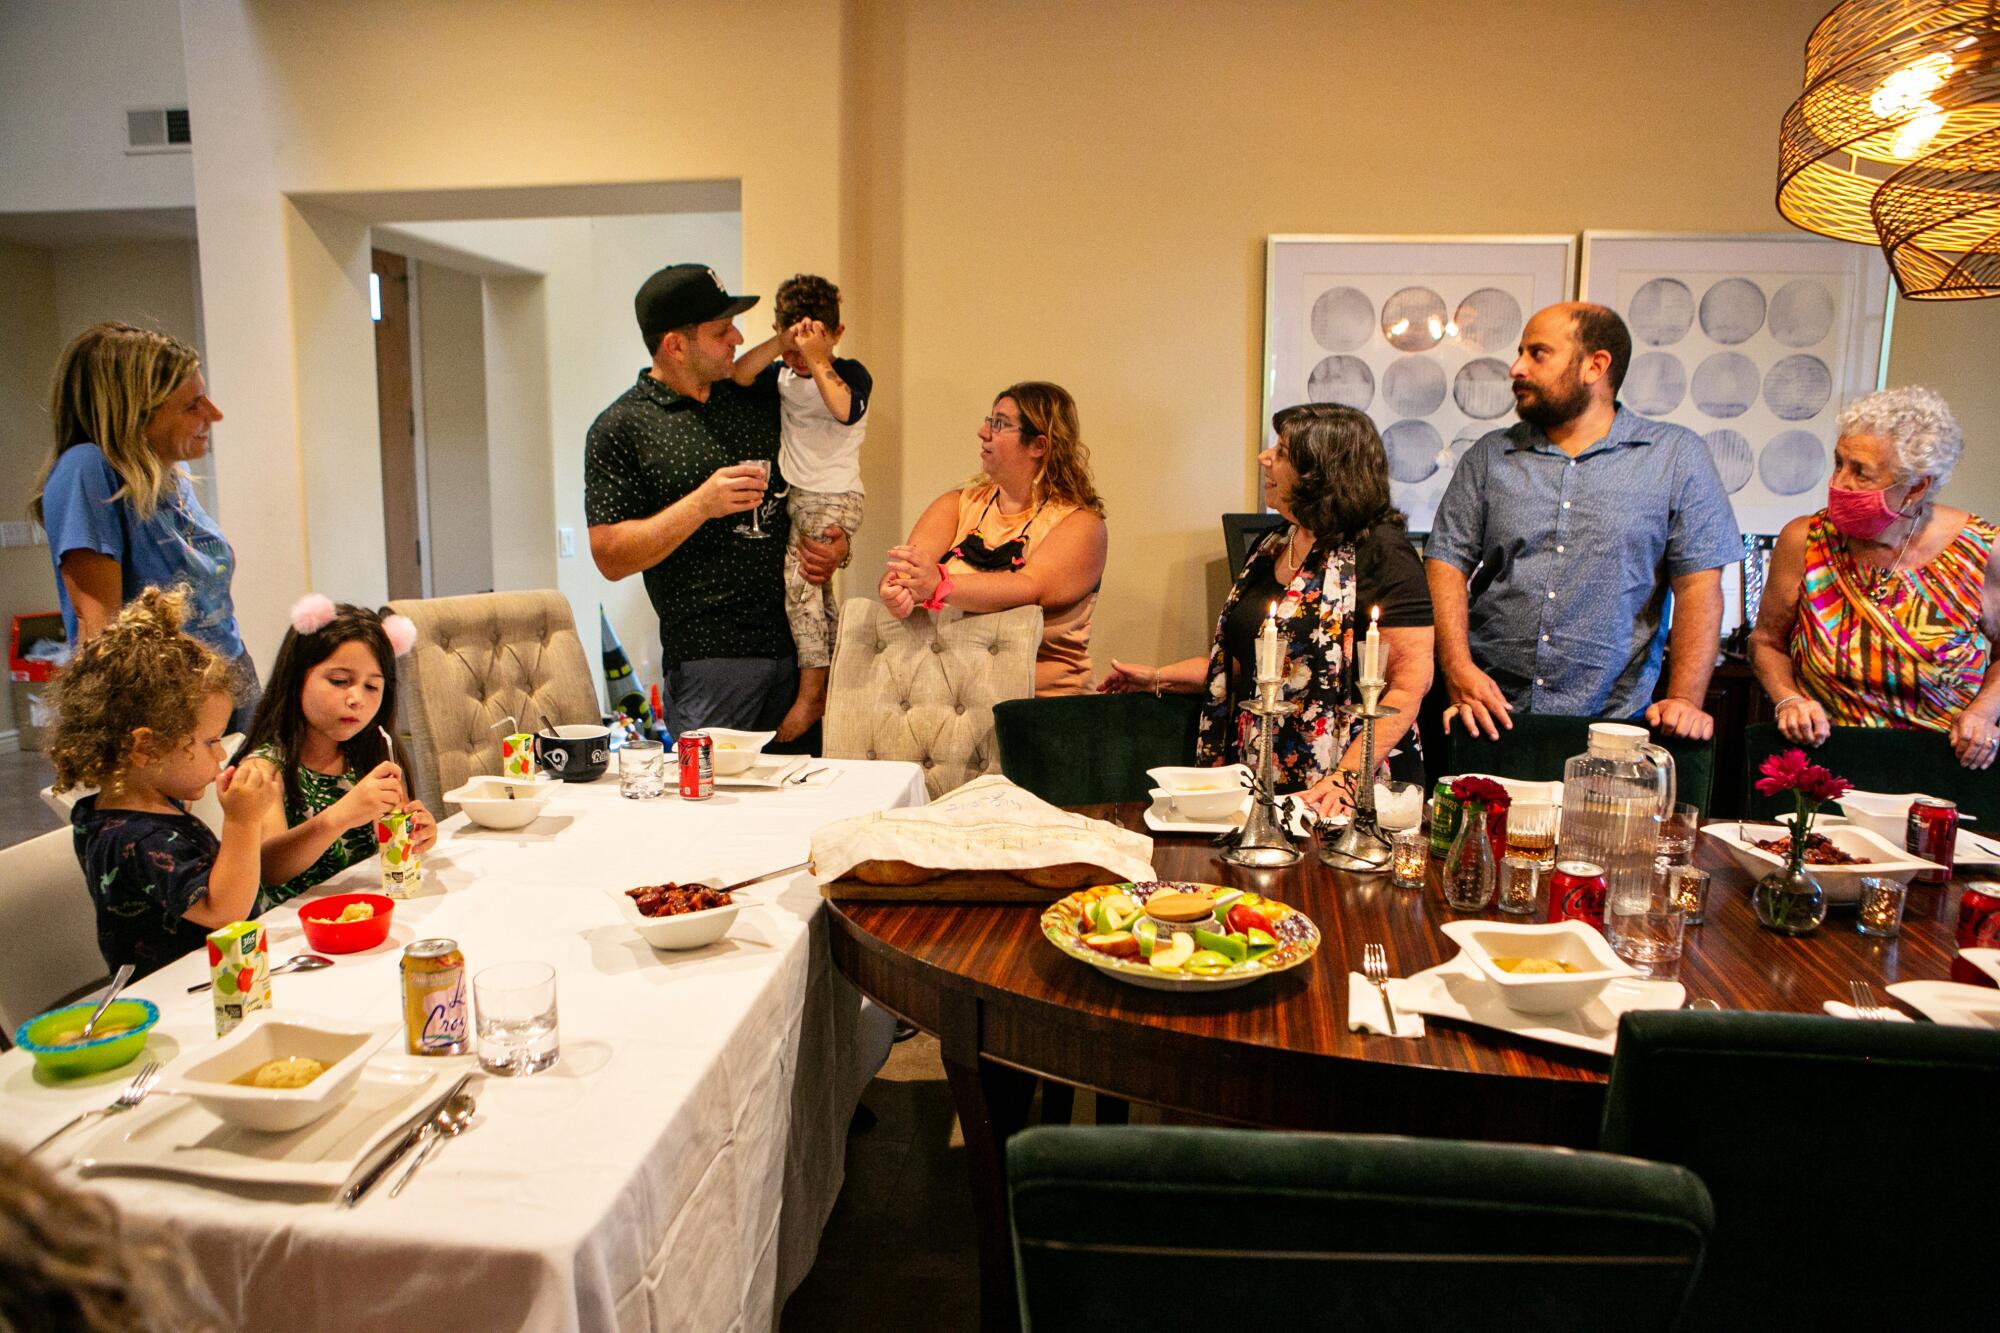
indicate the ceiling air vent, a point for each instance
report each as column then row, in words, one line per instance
column 158, row 130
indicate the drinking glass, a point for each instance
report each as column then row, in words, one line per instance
column 1647, row 925
column 642, row 770
column 1409, row 855
column 1531, row 832
column 1690, row 885
column 1398, row 805
column 755, row 527
column 1520, row 884
column 514, row 1006
column 1678, row 829
column 1881, row 907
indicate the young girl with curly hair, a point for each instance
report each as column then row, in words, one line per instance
column 143, row 707
column 318, row 735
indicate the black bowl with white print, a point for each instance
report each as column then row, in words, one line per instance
column 577, row 752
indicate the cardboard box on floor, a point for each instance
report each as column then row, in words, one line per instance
column 31, row 677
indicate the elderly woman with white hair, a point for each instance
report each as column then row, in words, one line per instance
column 1881, row 609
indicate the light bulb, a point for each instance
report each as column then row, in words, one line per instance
column 1905, row 95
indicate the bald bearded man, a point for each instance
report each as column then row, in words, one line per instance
column 1560, row 537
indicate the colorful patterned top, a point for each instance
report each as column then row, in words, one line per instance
column 145, row 872
column 1903, row 649
column 317, row 791
column 1316, row 627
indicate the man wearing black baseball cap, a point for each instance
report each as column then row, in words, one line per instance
column 675, row 452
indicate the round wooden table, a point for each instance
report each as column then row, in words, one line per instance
column 1008, row 1007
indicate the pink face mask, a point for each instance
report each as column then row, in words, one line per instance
column 1863, row 514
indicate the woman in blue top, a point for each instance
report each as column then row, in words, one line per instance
column 131, row 410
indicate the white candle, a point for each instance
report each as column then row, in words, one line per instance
column 1267, row 646
column 1371, row 648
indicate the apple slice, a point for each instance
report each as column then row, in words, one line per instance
column 1147, row 932
column 1170, row 958
column 1117, row 943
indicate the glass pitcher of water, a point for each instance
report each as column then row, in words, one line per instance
column 1614, row 797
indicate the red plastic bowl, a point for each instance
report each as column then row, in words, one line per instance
column 328, row 935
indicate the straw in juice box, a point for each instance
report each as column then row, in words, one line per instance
column 239, row 965
column 517, row 752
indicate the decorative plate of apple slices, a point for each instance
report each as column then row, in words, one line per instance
column 1167, row 935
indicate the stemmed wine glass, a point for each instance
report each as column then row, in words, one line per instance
column 755, row 527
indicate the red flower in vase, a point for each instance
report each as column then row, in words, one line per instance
column 1791, row 772
column 1484, row 790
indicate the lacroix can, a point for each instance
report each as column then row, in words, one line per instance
column 696, row 752
column 517, row 755
column 239, row 970
column 434, row 1008
column 1576, row 893
column 402, row 868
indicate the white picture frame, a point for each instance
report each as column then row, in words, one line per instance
column 1332, row 301
column 1753, row 341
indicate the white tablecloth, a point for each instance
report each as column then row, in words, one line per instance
column 673, row 1171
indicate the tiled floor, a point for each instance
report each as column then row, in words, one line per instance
column 23, row 774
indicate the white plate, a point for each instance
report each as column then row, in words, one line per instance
column 1973, row 849
column 1519, row 789
column 1842, row 883
column 1986, row 960
column 1457, row 990
column 1162, row 818
column 767, row 770
column 169, row 1135
column 1952, row 1003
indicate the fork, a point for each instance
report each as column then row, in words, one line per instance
column 1375, row 966
column 806, row 776
column 1865, row 1003
column 135, row 1092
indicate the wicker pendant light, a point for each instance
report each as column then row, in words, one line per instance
column 1896, row 140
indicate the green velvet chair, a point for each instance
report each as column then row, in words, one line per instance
column 1078, row 749
column 1167, row 1228
column 1886, row 759
column 1539, row 744
column 1846, row 1159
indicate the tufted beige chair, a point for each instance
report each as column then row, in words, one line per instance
column 923, row 689
column 477, row 661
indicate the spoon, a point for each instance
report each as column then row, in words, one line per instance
column 452, row 1120
column 298, row 962
column 118, row 981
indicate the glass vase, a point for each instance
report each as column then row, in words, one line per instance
column 1789, row 901
column 1470, row 869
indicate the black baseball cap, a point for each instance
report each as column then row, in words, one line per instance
column 680, row 295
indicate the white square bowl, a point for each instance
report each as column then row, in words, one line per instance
column 488, row 803
column 1521, row 789
column 689, row 930
column 733, row 751
column 1885, row 814
column 1577, row 943
column 1204, row 793
column 208, row 1076
column 1842, row 884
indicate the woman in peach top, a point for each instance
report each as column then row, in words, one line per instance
column 1029, row 530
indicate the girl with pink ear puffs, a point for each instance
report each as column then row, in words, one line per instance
column 320, row 730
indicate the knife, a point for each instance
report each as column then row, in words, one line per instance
column 375, row 1170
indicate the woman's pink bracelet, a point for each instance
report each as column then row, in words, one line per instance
column 939, row 593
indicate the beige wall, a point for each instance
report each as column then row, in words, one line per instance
column 1950, row 346
column 27, row 353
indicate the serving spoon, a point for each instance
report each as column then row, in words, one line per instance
column 298, row 962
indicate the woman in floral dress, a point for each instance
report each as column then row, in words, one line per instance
column 1341, row 552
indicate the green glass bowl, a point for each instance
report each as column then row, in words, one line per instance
column 99, row 1053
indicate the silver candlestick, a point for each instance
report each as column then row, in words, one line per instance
column 1264, row 842
column 1362, row 847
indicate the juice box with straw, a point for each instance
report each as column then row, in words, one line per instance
column 239, row 966
column 517, row 752
column 402, row 868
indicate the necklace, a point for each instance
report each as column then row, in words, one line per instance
column 1293, row 554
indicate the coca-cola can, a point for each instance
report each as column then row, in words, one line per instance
column 696, row 752
column 1576, row 892
column 1932, row 833
column 1978, row 928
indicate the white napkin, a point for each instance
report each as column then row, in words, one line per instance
column 1365, row 1012
column 1839, row 1010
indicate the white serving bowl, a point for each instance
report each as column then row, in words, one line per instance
column 1204, row 793
column 1574, row 942
column 1520, row 789
column 1884, row 814
column 208, row 1076
column 689, row 930
column 500, row 802
column 1842, row 884
column 734, row 751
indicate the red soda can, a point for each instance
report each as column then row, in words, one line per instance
column 697, row 757
column 1576, row 892
column 1932, row 833
column 1978, row 928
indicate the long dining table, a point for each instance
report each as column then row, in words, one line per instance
column 1009, row 1008
column 672, row 1171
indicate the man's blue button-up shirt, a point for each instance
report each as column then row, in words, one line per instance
column 1569, row 559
